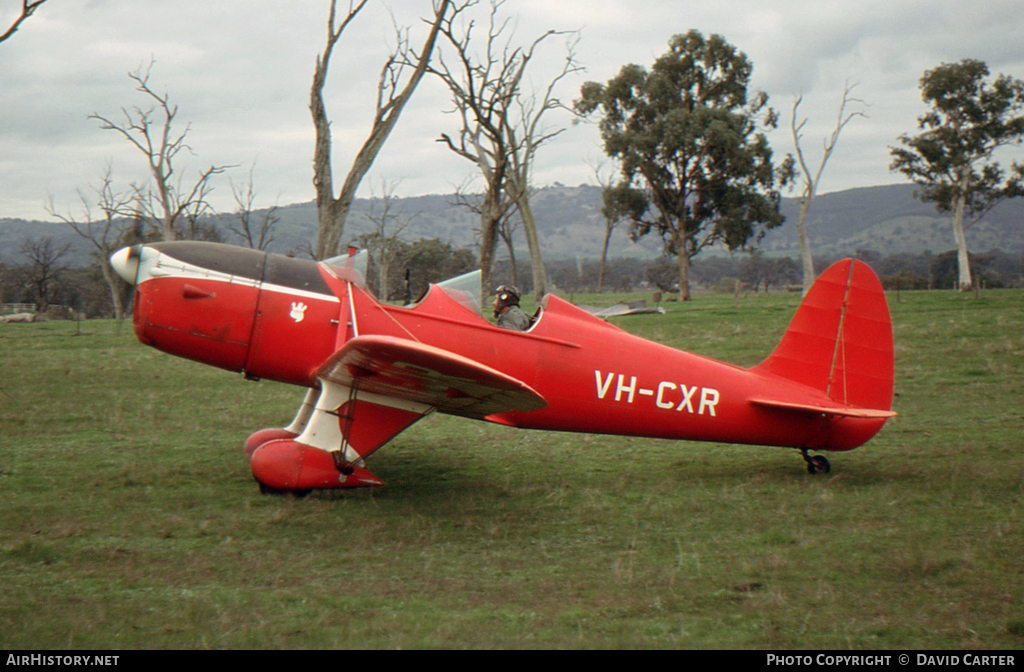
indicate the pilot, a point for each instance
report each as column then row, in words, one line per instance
column 507, row 310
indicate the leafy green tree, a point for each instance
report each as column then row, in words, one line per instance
column 952, row 158
column 761, row 271
column 430, row 260
column 690, row 142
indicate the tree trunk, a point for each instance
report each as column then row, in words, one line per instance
column 332, row 212
column 506, row 237
column 382, row 277
column 167, row 223
column 604, row 258
column 684, row 271
column 963, row 260
column 533, row 244
column 805, row 244
column 488, row 244
column 322, row 173
column 112, row 283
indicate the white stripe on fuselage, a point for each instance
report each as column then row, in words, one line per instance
column 166, row 266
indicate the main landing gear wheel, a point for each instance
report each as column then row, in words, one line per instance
column 818, row 464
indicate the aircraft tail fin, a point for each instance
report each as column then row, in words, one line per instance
column 840, row 340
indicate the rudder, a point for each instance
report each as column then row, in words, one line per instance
column 840, row 340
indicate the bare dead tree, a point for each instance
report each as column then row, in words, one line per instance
column 106, row 232
column 501, row 127
column 331, row 211
column 28, row 7
column 811, row 180
column 194, row 222
column 392, row 97
column 526, row 137
column 507, row 231
column 383, row 246
column 479, row 102
column 507, row 223
column 173, row 205
column 257, row 230
column 612, row 214
column 43, row 269
column 494, row 204
column 495, row 211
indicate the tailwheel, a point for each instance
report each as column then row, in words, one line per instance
column 817, row 464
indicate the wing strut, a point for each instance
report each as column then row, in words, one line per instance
column 346, row 425
column 371, row 389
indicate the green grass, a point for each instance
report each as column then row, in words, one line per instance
column 130, row 518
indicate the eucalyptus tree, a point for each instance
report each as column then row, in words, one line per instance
column 691, row 143
column 952, row 159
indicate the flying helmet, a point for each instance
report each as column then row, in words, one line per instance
column 507, row 295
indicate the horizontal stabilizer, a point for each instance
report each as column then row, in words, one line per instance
column 845, row 411
column 409, row 370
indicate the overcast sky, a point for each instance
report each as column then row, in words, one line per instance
column 241, row 72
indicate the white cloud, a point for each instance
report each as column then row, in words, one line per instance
column 241, row 72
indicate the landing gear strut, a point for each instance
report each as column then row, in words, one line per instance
column 817, row 464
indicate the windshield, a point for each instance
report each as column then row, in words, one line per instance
column 465, row 289
column 357, row 262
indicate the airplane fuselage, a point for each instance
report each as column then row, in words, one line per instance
column 275, row 317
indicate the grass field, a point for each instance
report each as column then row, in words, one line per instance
column 130, row 518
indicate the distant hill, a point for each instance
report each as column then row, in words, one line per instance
column 890, row 220
column 569, row 219
column 885, row 219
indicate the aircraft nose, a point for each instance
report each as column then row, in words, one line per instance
column 126, row 262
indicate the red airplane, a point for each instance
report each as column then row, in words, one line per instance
column 373, row 369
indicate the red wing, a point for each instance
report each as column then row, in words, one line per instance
column 404, row 369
